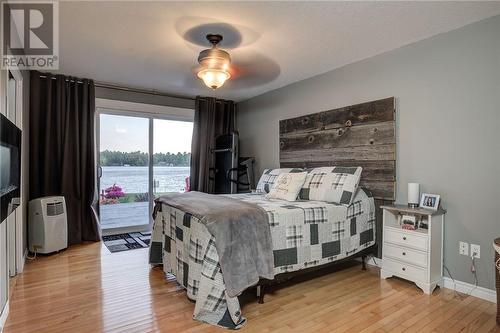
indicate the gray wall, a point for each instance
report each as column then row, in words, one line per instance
column 448, row 127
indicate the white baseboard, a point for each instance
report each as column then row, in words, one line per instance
column 3, row 316
column 462, row 287
column 25, row 256
column 20, row 268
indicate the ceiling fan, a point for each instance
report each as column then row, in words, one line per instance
column 250, row 68
column 214, row 64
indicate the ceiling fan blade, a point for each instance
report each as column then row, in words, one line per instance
column 253, row 70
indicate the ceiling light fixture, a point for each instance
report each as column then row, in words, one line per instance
column 214, row 64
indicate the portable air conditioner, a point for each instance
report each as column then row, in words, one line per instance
column 48, row 225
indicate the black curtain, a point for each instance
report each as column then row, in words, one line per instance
column 212, row 117
column 62, row 148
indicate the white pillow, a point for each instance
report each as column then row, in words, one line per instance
column 269, row 176
column 332, row 184
column 287, row 186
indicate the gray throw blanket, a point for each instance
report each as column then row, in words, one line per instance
column 242, row 235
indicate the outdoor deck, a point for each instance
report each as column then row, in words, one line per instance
column 124, row 215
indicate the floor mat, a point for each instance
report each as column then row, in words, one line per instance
column 129, row 241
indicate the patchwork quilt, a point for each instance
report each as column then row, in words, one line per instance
column 304, row 234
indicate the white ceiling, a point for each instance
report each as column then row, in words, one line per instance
column 154, row 45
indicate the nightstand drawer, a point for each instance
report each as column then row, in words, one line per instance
column 404, row 270
column 405, row 254
column 403, row 238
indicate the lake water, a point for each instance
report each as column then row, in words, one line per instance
column 135, row 179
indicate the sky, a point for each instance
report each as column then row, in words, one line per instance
column 127, row 134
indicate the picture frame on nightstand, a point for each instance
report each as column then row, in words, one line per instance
column 430, row 201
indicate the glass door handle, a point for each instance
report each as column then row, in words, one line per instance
column 99, row 171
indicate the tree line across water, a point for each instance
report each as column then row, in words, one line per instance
column 138, row 158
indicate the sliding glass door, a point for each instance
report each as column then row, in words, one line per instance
column 172, row 147
column 140, row 157
column 124, row 172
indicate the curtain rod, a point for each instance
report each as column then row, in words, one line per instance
column 123, row 88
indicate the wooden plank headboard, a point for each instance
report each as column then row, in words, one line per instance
column 358, row 135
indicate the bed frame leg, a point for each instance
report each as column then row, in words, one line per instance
column 363, row 263
column 260, row 294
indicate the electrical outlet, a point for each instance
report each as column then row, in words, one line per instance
column 463, row 248
column 475, row 251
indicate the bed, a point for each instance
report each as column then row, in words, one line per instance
column 305, row 234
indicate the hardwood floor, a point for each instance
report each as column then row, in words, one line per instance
column 88, row 289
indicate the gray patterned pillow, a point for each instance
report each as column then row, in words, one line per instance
column 331, row 184
column 269, row 176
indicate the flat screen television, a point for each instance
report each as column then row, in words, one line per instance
column 10, row 166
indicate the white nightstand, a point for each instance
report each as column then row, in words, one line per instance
column 415, row 255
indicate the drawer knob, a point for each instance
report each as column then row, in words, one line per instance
column 404, row 269
column 404, row 253
column 404, row 238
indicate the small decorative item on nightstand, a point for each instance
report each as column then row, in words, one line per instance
column 413, row 194
column 423, row 224
column 415, row 255
column 409, row 222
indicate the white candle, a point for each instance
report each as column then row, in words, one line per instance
column 413, row 194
